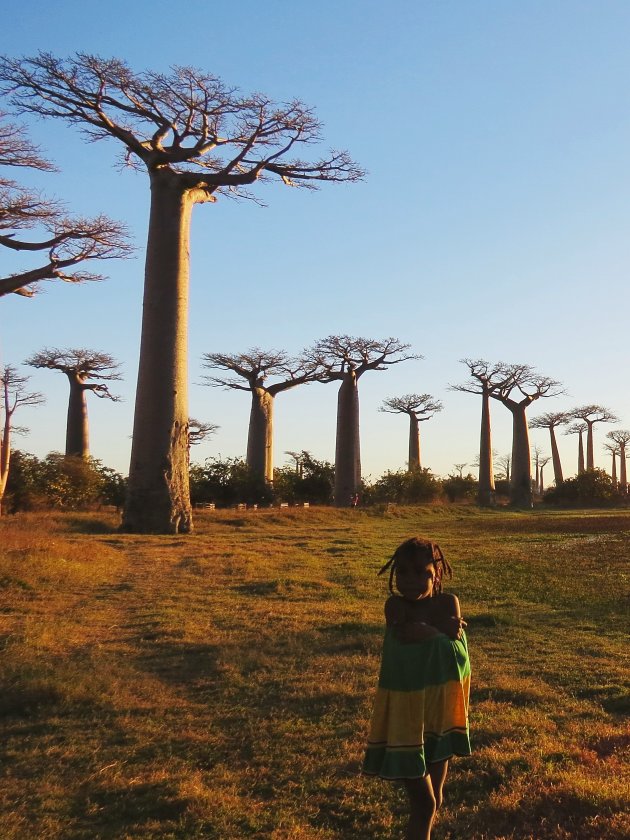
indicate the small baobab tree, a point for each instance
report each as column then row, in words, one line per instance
column 418, row 407
column 551, row 420
column 86, row 371
column 485, row 378
column 613, row 451
column 591, row 414
column 197, row 139
column 543, row 463
column 578, row 429
column 68, row 243
column 250, row 372
column 621, row 438
column 537, row 458
column 14, row 396
column 504, row 462
column 345, row 359
column 198, row 431
column 521, row 387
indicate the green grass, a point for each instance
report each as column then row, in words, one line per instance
column 219, row 685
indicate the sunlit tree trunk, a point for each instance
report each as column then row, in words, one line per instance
column 590, row 455
column 77, row 428
column 260, row 437
column 5, row 444
column 623, row 478
column 555, row 458
column 347, row 451
column 414, row 443
column 580, row 452
column 613, row 473
column 521, row 480
column 486, row 493
column 158, row 498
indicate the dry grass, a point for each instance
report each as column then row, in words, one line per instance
column 219, row 685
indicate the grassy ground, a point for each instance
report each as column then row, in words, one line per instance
column 219, row 685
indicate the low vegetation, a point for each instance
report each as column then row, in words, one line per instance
column 219, row 685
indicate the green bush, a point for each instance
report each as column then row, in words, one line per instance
column 403, row 487
column 591, row 488
column 227, row 482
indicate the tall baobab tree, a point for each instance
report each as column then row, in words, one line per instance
column 522, row 386
column 86, row 370
column 14, row 396
column 578, row 429
column 485, row 378
column 250, row 371
column 345, row 359
column 197, row 139
column 591, row 414
column 551, row 420
column 67, row 242
column 613, row 450
column 418, row 407
column 621, row 437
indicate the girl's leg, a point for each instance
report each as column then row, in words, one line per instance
column 437, row 772
column 421, row 808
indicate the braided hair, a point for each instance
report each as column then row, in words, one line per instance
column 417, row 548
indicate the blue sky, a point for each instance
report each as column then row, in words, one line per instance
column 493, row 221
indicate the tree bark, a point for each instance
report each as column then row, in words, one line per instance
column 347, row 450
column 77, row 428
column 486, row 495
column 623, row 479
column 581, row 454
column 5, row 445
column 414, row 443
column 613, row 474
column 260, row 436
column 555, row 457
column 521, row 481
column 158, row 499
column 590, row 455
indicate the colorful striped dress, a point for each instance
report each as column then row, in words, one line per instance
column 421, row 708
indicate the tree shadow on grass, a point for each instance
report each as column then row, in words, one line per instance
column 89, row 525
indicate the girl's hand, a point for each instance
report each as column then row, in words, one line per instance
column 453, row 626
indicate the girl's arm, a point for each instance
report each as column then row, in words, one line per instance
column 449, row 616
column 406, row 628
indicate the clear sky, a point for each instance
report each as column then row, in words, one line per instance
column 493, row 223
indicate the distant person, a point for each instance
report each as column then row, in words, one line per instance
column 420, row 716
column 354, row 500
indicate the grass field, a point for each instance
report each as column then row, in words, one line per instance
column 219, row 685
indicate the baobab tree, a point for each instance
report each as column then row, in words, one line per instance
column 543, row 463
column 345, row 359
column 621, row 437
column 197, row 139
column 537, row 458
column 418, row 407
column 86, row 370
column 578, row 429
column 505, row 462
column 250, row 371
column 67, row 242
column 14, row 396
column 522, row 386
column 613, row 451
column 485, row 378
column 198, row 431
column 591, row 414
column 551, row 420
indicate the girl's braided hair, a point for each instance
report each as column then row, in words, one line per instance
column 417, row 548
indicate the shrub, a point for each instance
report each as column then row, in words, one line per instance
column 404, row 487
column 226, row 483
column 592, row 487
column 460, row 487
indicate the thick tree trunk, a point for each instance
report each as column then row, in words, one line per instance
column 613, row 474
column 486, row 495
column 77, row 429
column 414, row 443
column 541, row 489
column 158, row 499
column 590, row 455
column 555, row 457
column 623, row 479
column 5, row 446
column 581, row 454
column 347, row 450
column 260, row 437
column 521, row 482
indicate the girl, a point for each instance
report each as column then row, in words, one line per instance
column 420, row 717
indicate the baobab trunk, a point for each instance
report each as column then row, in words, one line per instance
column 590, row 455
column 158, row 499
column 623, row 480
column 347, row 450
column 486, row 494
column 260, row 436
column 555, row 458
column 414, row 443
column 77, row 429
column 5, row 446
column 521, row 481
column 580, row 453
column 614, row 469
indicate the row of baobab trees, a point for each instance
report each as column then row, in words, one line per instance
column 345, row 359
column 198, row 140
